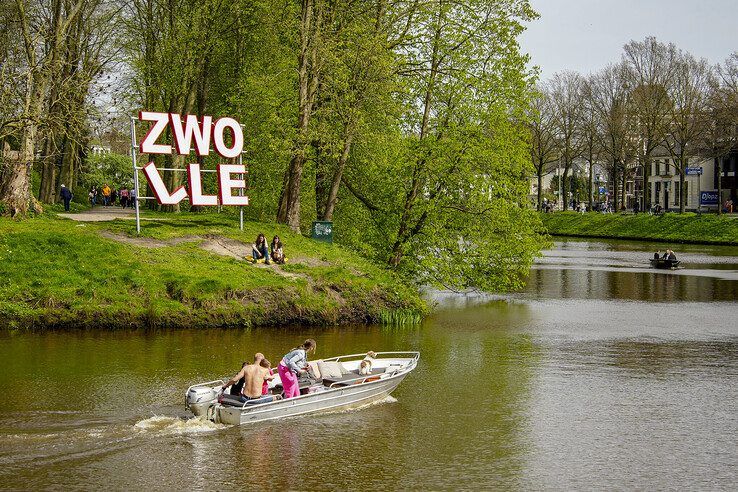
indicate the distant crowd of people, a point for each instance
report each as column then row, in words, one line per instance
column 107, row 196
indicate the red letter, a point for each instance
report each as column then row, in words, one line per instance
column 220, row 146
column 183, row 138
column 148, row 144
column 195, row 188
column 160, row 189
column 227, row 184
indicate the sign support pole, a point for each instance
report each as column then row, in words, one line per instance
column 134, row 152
column 240, row 193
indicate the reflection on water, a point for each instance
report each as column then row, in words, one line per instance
column 579, row 382
column 577, row 269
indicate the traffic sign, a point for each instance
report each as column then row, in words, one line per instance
column 693, row 171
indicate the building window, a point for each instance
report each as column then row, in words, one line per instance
column 658, row 168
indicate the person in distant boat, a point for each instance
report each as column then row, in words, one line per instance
column 276, row 250
column 259, row 249
column 657, row 255
column 292, row 365
column 671, row 256
column 666, row 255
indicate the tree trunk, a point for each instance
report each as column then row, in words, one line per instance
column 591, row 184
column 682, row 198
column 719, row 166
column 540, row 190
column 565, row 186
column 333, row 194
column 289, row 206
column 623, row 180
column 47, row 189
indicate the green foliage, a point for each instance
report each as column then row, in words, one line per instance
column 670, row 227
column 60, row 273
column 114, row 169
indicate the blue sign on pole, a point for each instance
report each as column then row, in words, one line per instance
column 709, row 197
column 693, row 171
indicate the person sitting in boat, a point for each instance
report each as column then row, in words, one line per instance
column 236, row 382
column 671, row 256
column 261, row 360
column 276, row 250
column 259, row 249
column 293, row 364
column 657, row 255
column 666, row 255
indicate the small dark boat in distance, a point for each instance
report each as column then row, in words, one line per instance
column 664, row 264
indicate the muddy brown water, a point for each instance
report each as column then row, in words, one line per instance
column 601, row 374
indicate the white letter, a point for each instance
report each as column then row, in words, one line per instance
column 183, row 138
column 220, row 146
column 195, row 188
column 227, row 184
column 160, row 189
column 148, row 144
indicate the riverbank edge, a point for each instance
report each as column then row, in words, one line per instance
column 666, row 228
column 92, row 276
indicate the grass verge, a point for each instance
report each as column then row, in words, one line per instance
column 670, row 227
column 64, row 274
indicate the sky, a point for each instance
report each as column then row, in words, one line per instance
column 586, row 35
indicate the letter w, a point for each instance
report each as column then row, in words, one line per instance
column 183, row 137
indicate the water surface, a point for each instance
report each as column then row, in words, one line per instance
column 602, row 373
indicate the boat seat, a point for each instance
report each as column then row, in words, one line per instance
column 348, row 379
column 238, row 401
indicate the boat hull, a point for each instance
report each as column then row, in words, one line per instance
column 664, row 264
column 332, row 400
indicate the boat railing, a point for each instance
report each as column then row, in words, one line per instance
column 415, row 355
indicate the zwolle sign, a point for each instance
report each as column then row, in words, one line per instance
column 202, row 132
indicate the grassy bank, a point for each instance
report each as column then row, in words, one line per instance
column 185, row 270
column 671, row 227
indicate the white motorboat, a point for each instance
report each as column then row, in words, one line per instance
column 327, row 394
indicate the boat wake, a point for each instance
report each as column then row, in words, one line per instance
column 161, row 424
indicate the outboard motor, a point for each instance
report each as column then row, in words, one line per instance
column 200, row 398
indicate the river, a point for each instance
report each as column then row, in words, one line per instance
column 600, row 374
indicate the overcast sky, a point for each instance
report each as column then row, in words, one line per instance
column 585, row 35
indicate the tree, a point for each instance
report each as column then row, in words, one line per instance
column 567, row 93
column 687, row 114
column 609, row 98
column 43, row 33
column 543, row 145
column 648, row 70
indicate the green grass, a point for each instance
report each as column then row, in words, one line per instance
column 63, row 274
column 670, row 227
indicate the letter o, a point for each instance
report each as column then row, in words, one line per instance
column 218, row 137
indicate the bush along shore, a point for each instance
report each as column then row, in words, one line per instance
column 186, row 270
column 670, row 227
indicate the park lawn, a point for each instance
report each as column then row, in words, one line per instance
column 64, row 274
column 669, row 227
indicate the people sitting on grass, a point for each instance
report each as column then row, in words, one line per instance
column 259, row 250
column 276, row 250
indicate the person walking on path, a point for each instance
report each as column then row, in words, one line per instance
column 66, row 196
column 106, row 194
column 124, row 197
column 92, row 195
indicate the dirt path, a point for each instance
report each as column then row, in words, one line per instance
column 100, row 213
